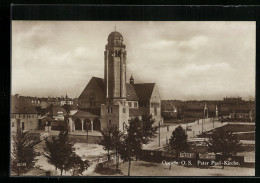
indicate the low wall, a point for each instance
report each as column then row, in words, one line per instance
column 83, row 138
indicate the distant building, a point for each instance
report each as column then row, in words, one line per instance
column 53, row 101
column 23, row 115
column 66, row 100
column 235, row 108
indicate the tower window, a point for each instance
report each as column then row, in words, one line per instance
column 109, row 110
column 109, row 122
column 124, row 110
column 130, row 104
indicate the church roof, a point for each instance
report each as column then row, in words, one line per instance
column 93, row 110
column 114, row 34
column 99, row 82
column 144, row 91
column 130, row 93
column 84, row 114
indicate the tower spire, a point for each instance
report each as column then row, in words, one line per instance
column 115, row 28
column 132, row 81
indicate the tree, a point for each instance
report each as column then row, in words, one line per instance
column 41, row 111
column 60, row 152
column 116, row 143
column 225, row 143
column 139, row 132
column 23, row 154
column 111, row 141
column 106, row 140
column 67, row 108
column 178, row 141
column 78, row 165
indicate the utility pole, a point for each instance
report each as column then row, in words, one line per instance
column 159, row 133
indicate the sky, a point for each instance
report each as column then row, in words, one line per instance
column 187, row 60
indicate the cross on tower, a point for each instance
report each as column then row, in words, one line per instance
column 115, row 28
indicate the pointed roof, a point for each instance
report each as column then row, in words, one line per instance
column 144, row 91
column 130, row 93
column 98, row 82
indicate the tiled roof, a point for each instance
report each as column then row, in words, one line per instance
column 144, row 91
column 84, row 114
column 94, row 110
column 138, row 112
column 130, row 93
column 72, row 107
column 21, row 106
column 167, row 105
column 243, row 107
column 55, row 109
column 94, row 80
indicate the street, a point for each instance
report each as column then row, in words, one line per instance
column 196, row 129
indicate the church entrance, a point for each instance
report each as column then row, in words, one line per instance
column 78, row 125
column 96, row 125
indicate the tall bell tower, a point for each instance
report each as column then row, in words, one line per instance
column 115, row 69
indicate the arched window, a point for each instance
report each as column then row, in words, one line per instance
column 123, row 126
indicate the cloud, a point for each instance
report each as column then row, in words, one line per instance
column 186, row 59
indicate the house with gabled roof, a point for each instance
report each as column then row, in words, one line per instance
column 23, row 114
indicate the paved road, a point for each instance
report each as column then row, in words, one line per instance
column 196, row 129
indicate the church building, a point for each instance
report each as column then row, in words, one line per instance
column 112, row 100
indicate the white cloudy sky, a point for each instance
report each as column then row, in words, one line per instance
column 187, row 60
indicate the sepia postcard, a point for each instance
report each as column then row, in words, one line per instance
column 132, row 98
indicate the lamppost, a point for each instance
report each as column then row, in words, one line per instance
column 47, row 124
column 203, row 119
